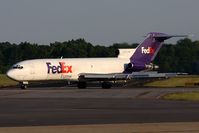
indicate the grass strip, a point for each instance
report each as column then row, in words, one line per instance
column 174, row 82
column 184, row 96
column 5, row 81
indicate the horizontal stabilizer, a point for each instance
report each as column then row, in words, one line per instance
column 162, row 37
column 170, row 36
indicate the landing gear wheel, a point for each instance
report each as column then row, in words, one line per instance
column 82, row 85
column 23, row 85
column 106, row 85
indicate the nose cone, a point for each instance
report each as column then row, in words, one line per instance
column 11, row 74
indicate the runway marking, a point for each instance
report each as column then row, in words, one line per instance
column 142, row 94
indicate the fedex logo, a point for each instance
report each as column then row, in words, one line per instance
column 149, row 50
column 61, row 68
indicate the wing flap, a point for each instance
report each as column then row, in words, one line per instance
column 122, row 76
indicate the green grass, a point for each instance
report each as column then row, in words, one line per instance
column 174, row 82
column 171, row 82
column 5, row 81
column 185, row 96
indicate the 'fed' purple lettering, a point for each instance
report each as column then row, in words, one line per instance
column 61, row 68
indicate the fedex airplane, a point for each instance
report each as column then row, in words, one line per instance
column 84, row 70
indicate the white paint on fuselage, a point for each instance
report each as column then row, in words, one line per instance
column 36, row 70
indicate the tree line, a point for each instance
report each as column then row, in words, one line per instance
column 180, row 57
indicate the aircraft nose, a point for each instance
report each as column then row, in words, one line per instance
column 10, row 74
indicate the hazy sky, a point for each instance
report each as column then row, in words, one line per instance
column 98, row 21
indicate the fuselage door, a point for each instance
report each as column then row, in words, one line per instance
column 32, row 70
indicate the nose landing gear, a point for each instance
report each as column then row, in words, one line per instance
column 23, row 85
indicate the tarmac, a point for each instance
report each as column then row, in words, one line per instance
column 109, row 128
column 69, row 109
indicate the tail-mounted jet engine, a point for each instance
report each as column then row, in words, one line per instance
column 129, row 68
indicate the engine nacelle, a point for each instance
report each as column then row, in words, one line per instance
column 135, row 67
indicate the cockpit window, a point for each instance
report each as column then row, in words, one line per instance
column 17, row 67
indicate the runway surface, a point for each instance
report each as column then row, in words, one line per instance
column 183, row 127
column 70, row 106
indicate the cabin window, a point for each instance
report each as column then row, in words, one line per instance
column 17, row 67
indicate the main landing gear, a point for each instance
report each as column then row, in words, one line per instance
column 104, row 84
column 82, row 85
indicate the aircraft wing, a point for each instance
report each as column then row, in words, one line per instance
column 123, row 76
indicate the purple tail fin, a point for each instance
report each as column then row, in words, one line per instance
column 148, row 49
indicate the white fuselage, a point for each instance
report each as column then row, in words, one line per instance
column 68, row 69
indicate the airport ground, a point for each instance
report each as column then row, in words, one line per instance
column 68, row 109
